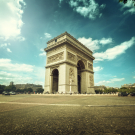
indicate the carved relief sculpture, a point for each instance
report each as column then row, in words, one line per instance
column 55, row 58
column 90, row 66
column 71, row 57
column 71, row 75
column 91, row 80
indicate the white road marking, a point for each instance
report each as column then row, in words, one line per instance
column 66, row 104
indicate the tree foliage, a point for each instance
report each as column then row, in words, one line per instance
column 125, row 1
column 2, row 87
column 40, row 90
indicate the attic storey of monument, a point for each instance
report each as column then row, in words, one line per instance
column 69, row 66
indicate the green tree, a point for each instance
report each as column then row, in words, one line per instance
column 125, row 1
column 30, row 89
column 40, row 90
column 2, row 88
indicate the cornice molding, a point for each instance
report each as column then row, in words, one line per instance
column 65, row 33
column 86, row 70
column 63, row 62
column 69, row 42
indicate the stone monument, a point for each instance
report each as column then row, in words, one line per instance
column 69, row 66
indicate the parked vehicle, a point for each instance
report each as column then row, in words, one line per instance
column 5, row 93
column 12, row 93
column 122, row 94
column 132, row 94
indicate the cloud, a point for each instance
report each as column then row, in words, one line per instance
column 47, row 35
column 11, row 21
column 110, row 81
column 4, row 45
column 43, row 53
column 129, row 7
column 91, row 44
column 60, row 1
column 6, row 77
column 104, row 41
column 90, row 8
column 94, row 44
column 20, row 73
column 112, row 53
column 9, row 50
column 20, row 38
column 98, row 68
column 134, row 77
column 7, row 65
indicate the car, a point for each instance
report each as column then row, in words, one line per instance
column 5, row 93
column 132, row 94
column 122, row 94
column 12, row 93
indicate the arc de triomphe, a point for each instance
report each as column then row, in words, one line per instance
column 69, row 66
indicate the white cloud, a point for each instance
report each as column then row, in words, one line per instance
column 129, row 7
column 60, row 1
column 20, row 73
column 47, row 35
column 43, row 53
column 9, row 50
column 7, row 65
column 98, row 68
column 112, row 53
column 110, row 81
column 90, row 8
column 11, row 21
column 104, row 41
column 20, row 38
column 4, row 45
column 7, row 77
column 134, row 77
column 94, row 44
column 91, row 44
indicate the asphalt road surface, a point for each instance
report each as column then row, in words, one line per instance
column 78, row 115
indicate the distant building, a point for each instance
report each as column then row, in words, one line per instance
column 128, row 85
column 99, row 87
column 11, row 83
column 26, row 86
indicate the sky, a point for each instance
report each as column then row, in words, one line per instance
column 105, row 27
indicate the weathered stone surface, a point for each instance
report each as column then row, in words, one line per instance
column 74, row 64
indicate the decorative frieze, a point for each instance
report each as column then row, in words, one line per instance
column 90, row 66
column 71, row 75
column 55, row 58
column 56, row 49
column 71, row 57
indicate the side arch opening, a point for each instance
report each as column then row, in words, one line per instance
column 80, row 66
column 55, row 83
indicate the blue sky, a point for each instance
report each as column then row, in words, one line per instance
column 105, row 27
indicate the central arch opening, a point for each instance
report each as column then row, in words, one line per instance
column 80, row 66
column 55, row 81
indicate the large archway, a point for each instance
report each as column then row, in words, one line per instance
column 55, row 74
column 80, row 66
